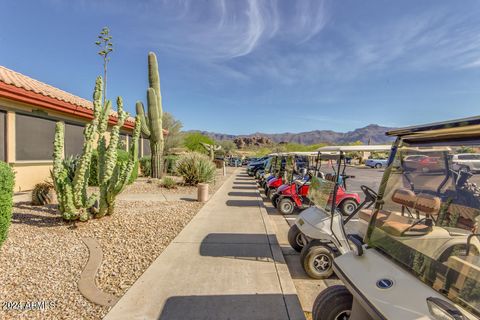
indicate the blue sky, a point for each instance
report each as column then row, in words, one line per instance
column 242, row 66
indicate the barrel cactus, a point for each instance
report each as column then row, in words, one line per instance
column 42, row 194
column 152, row 123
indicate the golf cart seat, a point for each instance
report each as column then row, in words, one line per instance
column 401, row 196
column 401, row 225
column 395, row 223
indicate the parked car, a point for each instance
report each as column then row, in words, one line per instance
column 468, row 161
column 423, row 163
column 376, row 163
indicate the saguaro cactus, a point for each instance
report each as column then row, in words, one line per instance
column 211, row 148
column 152, row 125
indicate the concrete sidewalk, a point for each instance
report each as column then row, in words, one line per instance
column 225, row 264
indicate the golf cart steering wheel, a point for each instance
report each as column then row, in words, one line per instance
column 370, row 195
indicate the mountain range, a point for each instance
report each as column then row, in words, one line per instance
column 373, row 134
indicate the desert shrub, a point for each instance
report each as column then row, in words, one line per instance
column 169, row 183
column 7, row 181
column 122, row 156
column 42, row 194
column 145, row 166
column 195, row 168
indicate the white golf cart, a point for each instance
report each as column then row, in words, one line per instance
column 317, row 233
column 420, row 255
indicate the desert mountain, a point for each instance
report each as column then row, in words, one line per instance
column 372, row 133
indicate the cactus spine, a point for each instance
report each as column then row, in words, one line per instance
column 73, row 200
column 152, row 123
column 211, row 148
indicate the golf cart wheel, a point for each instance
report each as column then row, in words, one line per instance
column 347, row 207
column 378, row 165
column 295, row 238
column 271, row 192
column 275, row 200
column 317, row 260
column 333, row 303
column 285, row 206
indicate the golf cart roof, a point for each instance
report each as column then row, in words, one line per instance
column 301, row 153
column 365, row 148
column 459, row 128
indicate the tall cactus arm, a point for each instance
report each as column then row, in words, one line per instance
column 154, row 77
column 81, row 179
column 58, row 146
column 104, row 115
column 144, row 120
column 97, row 100
column 155, row 116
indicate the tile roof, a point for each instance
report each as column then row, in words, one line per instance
column 19, row 80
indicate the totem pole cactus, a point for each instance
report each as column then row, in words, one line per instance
column 73, row 201
column 152, row 124
column 112, row 175
column 211, row 148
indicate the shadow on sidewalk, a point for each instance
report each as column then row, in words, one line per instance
column 233, row 307
column 245, row 183
column 243, row 203
column 244, row 188
column 245, row 246
column 243, row 194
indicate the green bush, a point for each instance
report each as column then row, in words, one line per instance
column 195, row 168
column 122, row 156
column 169, row 183
column 145, row 166
column 7, row 182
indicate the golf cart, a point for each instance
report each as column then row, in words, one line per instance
column 419, row 258
column 296, row 196
column 312, row 235
column 277, row 177
column 293, row 193
column 268, row 170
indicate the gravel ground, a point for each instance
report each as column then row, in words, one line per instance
column 43, row 256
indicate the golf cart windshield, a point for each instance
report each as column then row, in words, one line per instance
column 322, row 186
column 429, row 215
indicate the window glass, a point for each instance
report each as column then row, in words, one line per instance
column 146, row 147
column 73, row 139
column 34, row 138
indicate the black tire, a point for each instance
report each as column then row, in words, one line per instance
column 348, row 206
column 333, row 303
column 285, row 206
column 271, row 192
column 317, row 260
column 275, row 200
column 295, row 239
column 378, row 165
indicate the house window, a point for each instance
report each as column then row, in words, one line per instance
column 3, row 136
column 146, row 147
column 34, row 138
column 122, row 142
column 73, row 139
